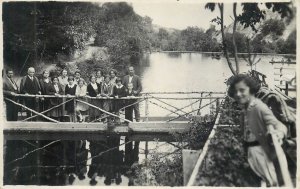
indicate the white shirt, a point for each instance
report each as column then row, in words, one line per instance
column 119, row 87
column 94, row 85
column 71, row 86
column 130, row 79
column 56, row 88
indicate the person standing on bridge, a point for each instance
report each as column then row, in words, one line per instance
column 99, row 77
column 30, row 86
column 137, row 88
column 113, row 77
column 94, row 90
column 70, row 90
column 257, row 117
column 63, row 78
column 78, row 77
column 106, row 91
column 55, row 89
column 10, row 88
column 119, row 91
column 45, row 83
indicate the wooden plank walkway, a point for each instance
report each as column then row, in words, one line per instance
column 144, row 131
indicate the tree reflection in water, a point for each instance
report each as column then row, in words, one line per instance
column 65, row 161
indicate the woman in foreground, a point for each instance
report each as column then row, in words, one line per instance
column 257, row 117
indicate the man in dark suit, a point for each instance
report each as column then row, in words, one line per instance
column 10, row 88
column 137, row 88
column 30, row 86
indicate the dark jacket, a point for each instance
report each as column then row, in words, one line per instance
column 50, row 90
column 44, row 86
column 92, row 92
column 136, row 82
column 8, row 86
column 30, row 87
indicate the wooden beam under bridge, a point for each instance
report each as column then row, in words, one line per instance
column 142, row 131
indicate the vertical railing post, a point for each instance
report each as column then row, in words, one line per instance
column 200, row 103
column 74, row 110
column 211, row 104
column 217, row 105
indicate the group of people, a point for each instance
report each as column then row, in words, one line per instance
column 99, row 85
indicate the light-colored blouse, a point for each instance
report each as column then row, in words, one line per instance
column 81, row 91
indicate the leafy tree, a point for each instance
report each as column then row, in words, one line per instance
column 273, row 26
column 290, row 43
column 37, row 31
column 250, row 16
column 123, row 32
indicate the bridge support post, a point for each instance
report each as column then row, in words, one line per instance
column 146, row 120
column 74, row 117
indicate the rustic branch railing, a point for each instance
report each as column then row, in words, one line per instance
column 147, row 97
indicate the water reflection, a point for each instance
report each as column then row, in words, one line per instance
column 100, row 162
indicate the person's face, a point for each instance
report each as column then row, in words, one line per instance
column 10, row 74
column 55, row 81
column 64, row 73
column 31, row 72
column 106, row 80
column 71, row 82
column 77, row 75
column 98, row 74
column 46, row 74
column 80, row 83
column 119, row 83
column 131, row 71
column 242, row 93
column 93, row 79
column 112, row 74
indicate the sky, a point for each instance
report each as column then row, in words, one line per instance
column 179, row 15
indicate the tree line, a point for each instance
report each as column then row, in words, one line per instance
column 37, row 32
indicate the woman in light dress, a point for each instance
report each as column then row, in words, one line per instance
column 257, row 118
column 81, row 93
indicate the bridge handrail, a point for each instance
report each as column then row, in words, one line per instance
column 143, row 96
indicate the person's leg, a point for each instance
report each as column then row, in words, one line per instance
column 9, row 111
column 136, row 109
column 15, row 112
column 261, row 165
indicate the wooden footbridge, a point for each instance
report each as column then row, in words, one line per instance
column 178, row 120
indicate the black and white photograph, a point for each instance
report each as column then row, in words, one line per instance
column 174, row 93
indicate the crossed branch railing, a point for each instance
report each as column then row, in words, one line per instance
column 149, row 97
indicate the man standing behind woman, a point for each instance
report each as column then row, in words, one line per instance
column 136, row 89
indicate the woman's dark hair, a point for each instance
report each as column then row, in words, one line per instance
column 54, row 77
column 92, row 77
column 118, row 80
column 249, row 81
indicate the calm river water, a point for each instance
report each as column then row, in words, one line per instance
column 160, row 72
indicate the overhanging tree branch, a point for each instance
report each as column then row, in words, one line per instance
column 221, row 8
column 233, row 39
